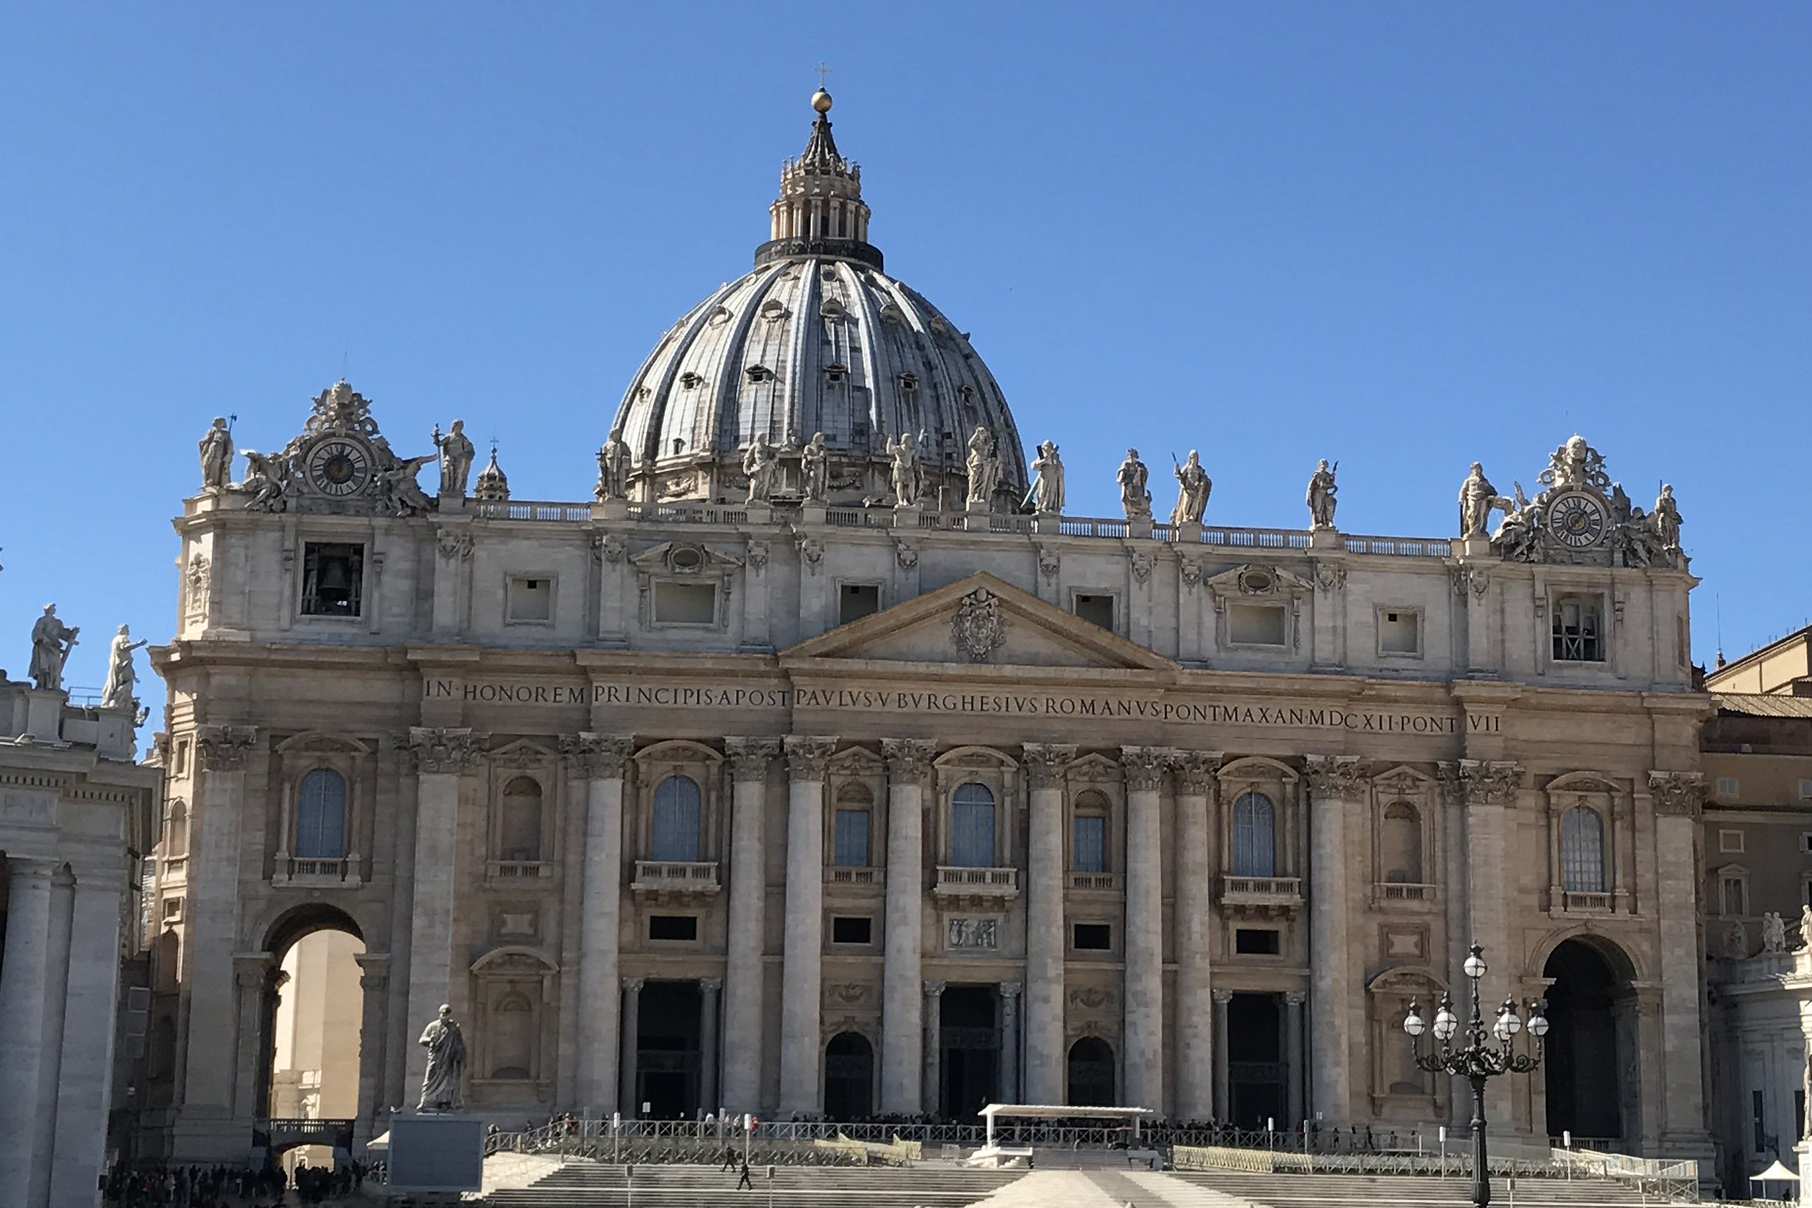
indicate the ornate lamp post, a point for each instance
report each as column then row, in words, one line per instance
column 1478, row 1059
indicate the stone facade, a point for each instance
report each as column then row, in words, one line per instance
column 76, row 810
column 796, row 805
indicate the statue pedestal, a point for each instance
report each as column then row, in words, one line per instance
column 44, row 714
column 436, row 1154
column 759, row 513
column 813, row 511
column 1047, row 522
column 1189, row 533
column 1324, row 538
column 610, row 509
column 906, row 515
column 451, row 504
column 1473, row 547
column 1138, row 527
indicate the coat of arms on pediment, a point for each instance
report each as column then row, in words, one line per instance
column 1252, row 579
column 685, row 558
column 979, row 627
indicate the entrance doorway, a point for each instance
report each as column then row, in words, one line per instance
column 1255, row 1060
column 969, row 1039
column 849, row 1065
column 1585, row 1047
column 314, row 1009
column 668, row 1047
column 1091, row 1073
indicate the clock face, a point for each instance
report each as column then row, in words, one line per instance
column 1578, row 519
column 339, row 467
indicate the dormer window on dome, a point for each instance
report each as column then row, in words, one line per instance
column 690, row 380
column 759, row 373
column 909, row 382
column 835, row 373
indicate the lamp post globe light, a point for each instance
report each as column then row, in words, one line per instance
column 1477, row 1058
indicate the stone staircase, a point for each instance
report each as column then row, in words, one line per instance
column 1396, row 1191
column 602, row 1185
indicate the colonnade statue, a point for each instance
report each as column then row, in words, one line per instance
column 456, row 454
column 121, row 677
column 217, row 456
column 1132, row 477
column 1193, row 488
column 51, row 641
column 1320, row 498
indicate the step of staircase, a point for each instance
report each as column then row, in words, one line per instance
column 604, row 1185
column 1371, row 1191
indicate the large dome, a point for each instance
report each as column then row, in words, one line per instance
column 816, row 339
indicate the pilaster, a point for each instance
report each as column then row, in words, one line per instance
column 801, row 1087
column 745, row 983
column 598, row 762
column 1045, row 1056
column 1335, row 783
column 908, row 760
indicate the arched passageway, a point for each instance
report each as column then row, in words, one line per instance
column 1091, row 1074
column 313, row 1016
column 1592, row 1018
column 849, row 1063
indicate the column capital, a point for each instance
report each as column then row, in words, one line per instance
column 710, row 985
column 1679, row 794
column 1195, row 771
column 908, row 759
column 634, row 984
column 1295, row 998
column 1044, row 762
column 224, row 748
column 29, row 872
column 750, row 757
column 1221, row 997
column 1144, row 766
column 596, row 756
column 1336, row 777
column 442, row 749
column 252, row 969
column 1482, row 781
column 808, row 755
column 374, row 970
column 934, row 989
column 1011, row 990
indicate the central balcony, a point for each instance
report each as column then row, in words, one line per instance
column 978, row 886
column 1265, row 896
column 674, row 880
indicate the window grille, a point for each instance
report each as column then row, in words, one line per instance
column 1254, row 836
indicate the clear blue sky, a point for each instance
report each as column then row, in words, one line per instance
column 1400, row 235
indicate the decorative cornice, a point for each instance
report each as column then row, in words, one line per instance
column 1677, row 794
column 1336, row 777
column 224, row 748
column 750, row 757
column 908, row 759
column 1144, row 767
column 596, row 756
column 1489, row 781
column 1044, row 763
column 1195, row 771
column 807, row 756
column 443, row 750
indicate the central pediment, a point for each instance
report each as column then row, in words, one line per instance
column 981, row 621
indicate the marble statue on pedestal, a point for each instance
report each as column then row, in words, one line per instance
column 904, row 454
column 456, row 454
column 1477, row 499
column 446, row 1047
column 1774, row 932
column 1046, row 495
column 51, row 641
column 1320, row 498
column 1665, row 519
column 1193, row 488
column 1135, row 498
column 814, row 469
column 760, row 463
column 216, row 456
column 613, row 468
column 984, row 467
column 121, row 677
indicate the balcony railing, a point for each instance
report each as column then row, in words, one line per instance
column 675, row 878
column 315, row 871
column 990, row 883
column 1262, row 895
column 1400, row 891
column 1587, row 903
column 852, row 876
column 1095, row 880
column 517, row 871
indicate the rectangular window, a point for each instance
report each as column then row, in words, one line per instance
column 1799, row 1115
column 1096, row 608
column 1399, row 631
column 1735, row 891
column 1760, row 1121
column 672, row 927
column 172, row 909
column 529, row 600
column 1090, row 844
column 1805, row 842
column 1257, row 941
column 1255, row 624
column 857, row 600
column 1730, row 842
column 1579, row 629
column 852, row 930
column 685, row 603
column 332, row 579
column 1092, row 937
column 972, row 828
column 851, row 847
column 1805, row 790
column 1729, row 787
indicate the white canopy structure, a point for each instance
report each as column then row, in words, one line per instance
column 1775, row 1174
column 1046, row 1111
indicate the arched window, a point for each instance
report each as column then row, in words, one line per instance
column 1088, row 834
column 1091, row 1073
column 1582, row 851
column 1254, row 836
column 176, row 832
column 1400, row 844
column 321, row 816
column 972, row 826
column 677, row 816
column 513, row 1038
column 519, row 829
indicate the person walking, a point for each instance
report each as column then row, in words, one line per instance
column 745, row 1183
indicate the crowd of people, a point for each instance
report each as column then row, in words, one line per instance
column 158, row 1186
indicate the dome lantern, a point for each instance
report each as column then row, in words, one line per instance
column 820, row 208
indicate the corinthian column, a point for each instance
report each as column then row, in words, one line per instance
column 1193, row 923
column 442, row 756
column 1335, row 784
column 902, row 1023
column 1144, row 1020
column 801, row 1088
column 1490, row 788
column 598, row 761
column 24, row 989
column 745, row 986
column 1044, row 924
column 1678, row 797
